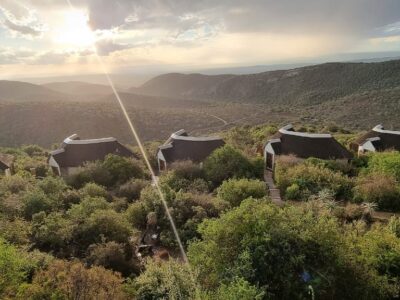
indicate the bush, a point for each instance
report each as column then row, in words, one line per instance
column 227, row 162
column 112, row 255
column 122, row 169
column 163, row 280
column 72, row 280
column 131, row 190
column 36, row 201
column 172, row 180
column 378, row 188
column 104, row 224
column 13, row 184
column 304, row 179
column 52, row 185
column 235, row 191
column 136, row 215
column 93, row 190
column 274, row 248
column 90, row 172
column 385, row 162
column 293, row 192
column 12, row 270
column 187, row 169
column 33, row 150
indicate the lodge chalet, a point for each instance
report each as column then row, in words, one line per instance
column 377, row 139
column 180, row 146
column 75, row 152
column 303, row 145
column 6, row 163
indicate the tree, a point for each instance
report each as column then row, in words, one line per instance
column 235, row 191
column 71, row 280
column 164, row 280
column 103, row 224
column 226, row 162
column 12, row 270
column 239, row 289
column 112, row 255
column 385, row 162
column 122, row 169
column 300, row 180
column 284, row 250
column 379, row 188
column 93, row 190
column 131, row 190
column 36, row 201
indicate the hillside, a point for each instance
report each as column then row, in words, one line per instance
column 352, row 95
column 77, row 88
column 17, row 91
column 302, row 86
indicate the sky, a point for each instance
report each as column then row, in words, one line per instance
column 59, row 37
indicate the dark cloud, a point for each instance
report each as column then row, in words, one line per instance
column 357, row 17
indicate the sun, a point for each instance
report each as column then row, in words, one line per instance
column 73, row 30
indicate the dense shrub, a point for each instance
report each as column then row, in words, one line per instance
column 136, row 215
column 379, row 188
column 32, row 150
column 115, row 256
column 12, row 270
column 13, row 184
column 72, row 280
column 187, row 210
column 187, row 169
column 176, row 182
column 304, row 179
column 227, row 162
column 93, row 190
column 334, row 165
column 235, row 191
column 163, row 280
column 122, row 169
column 113, row 170
column 385, row 162
column 91, row 172
column 36, row 201
column 277, row 248
column 131, row 190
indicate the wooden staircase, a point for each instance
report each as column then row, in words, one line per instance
column 274, row 192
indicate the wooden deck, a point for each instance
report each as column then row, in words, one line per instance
column 274, row 192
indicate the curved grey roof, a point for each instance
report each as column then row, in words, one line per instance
column 75, row 152
column 180, row 146
column 305, row 145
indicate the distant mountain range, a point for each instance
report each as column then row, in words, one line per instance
column 353, row 95
column 77, row 88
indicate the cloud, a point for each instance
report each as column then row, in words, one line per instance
column 105, row 47
column 358, row 17
column 20, row 20
column 22, row 29
column 13, row 56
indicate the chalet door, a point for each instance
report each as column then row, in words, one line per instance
column 269, row 161
column 163, row 165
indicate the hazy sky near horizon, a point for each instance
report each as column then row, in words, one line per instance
column 49, row 37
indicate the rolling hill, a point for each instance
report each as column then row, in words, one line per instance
column 17, row 91
column 352, row 95
column 301, row 86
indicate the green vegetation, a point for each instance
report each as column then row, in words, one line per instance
column 90, row 235
column 235, row 191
